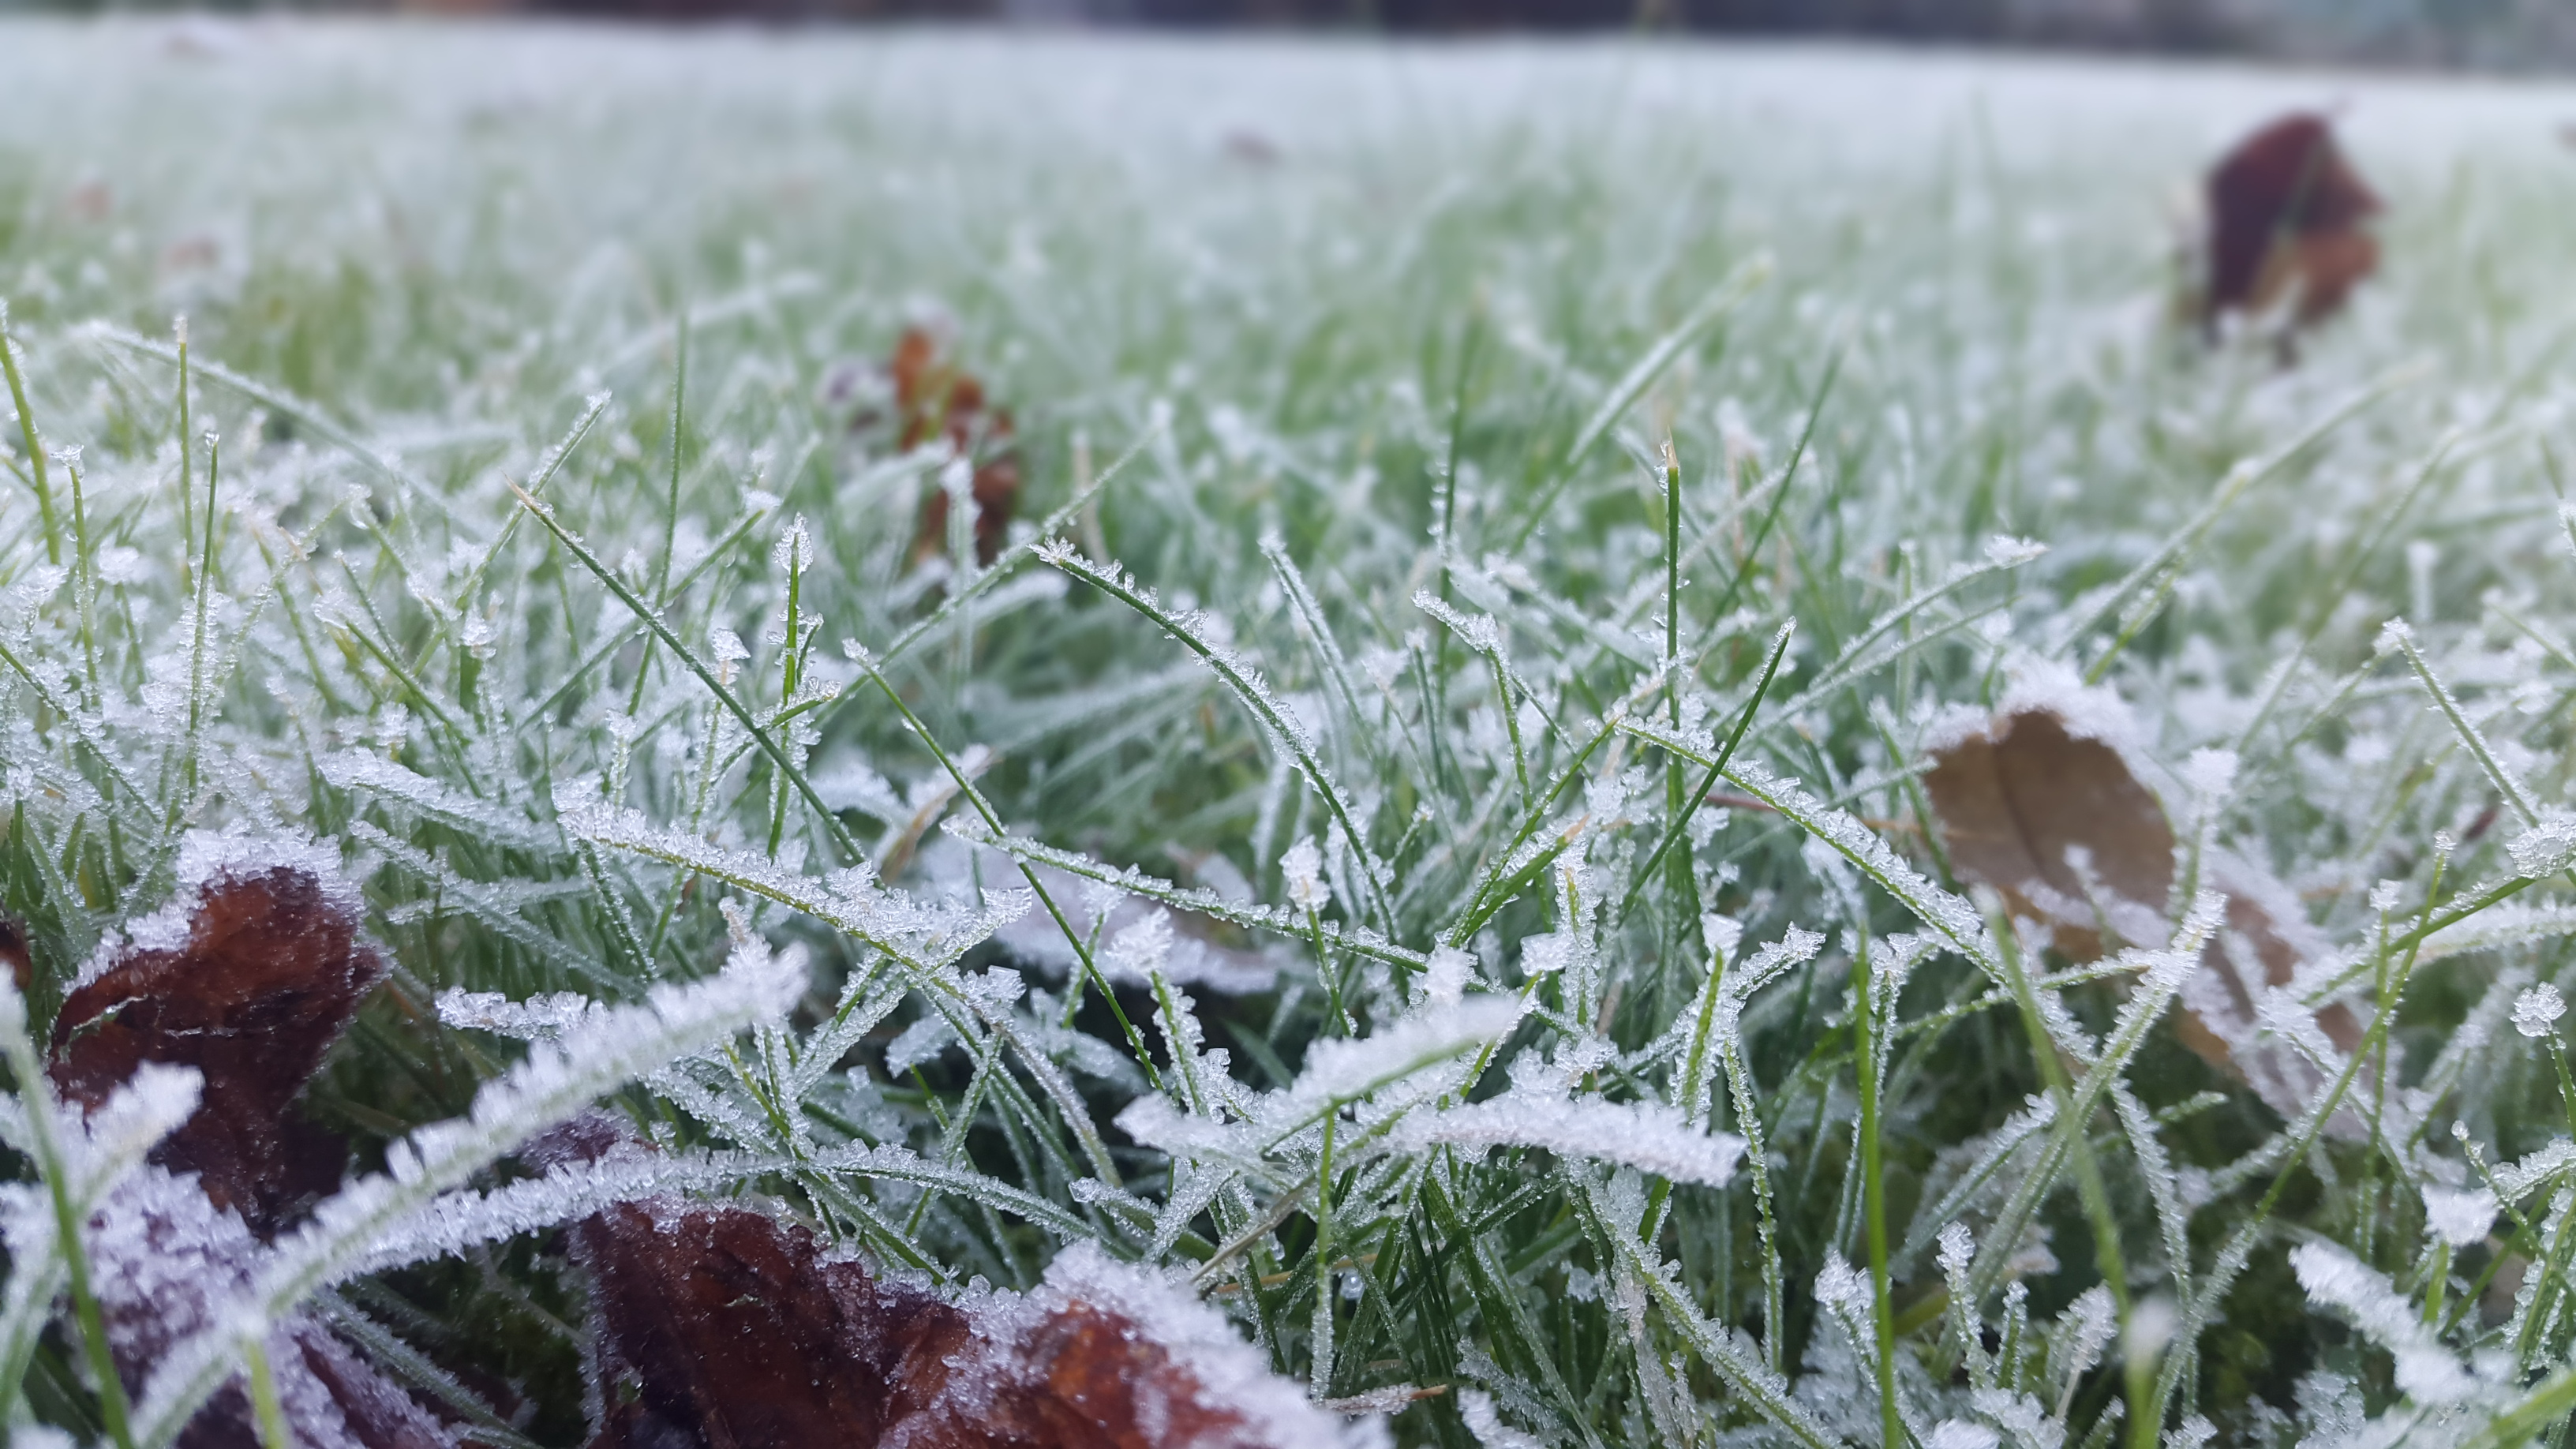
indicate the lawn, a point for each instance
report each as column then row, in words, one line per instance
column 1400, row 821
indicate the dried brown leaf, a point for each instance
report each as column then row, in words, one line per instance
column 2056, row 822
column 2286, row 215
column 723, row 1327
column 268, row 975
column 2014, row 802
column 935, row 398
column 258, row 979
column 170, row 1264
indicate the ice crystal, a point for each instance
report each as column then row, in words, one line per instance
column 2536, row 1011
column 1646, row 1136
column 2458, row 1218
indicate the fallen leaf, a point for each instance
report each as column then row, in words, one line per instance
column 2052, row 818
column 248, row 978
column 251, row 990
column 721, row 1326
column 170, row 1263
column 2021, row 801
column 2285, row 221
column 935, row 398
column 717, row 1325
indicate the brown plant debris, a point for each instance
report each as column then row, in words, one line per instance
column 248, row 977
column 250, row 987
column 170, row 1264
column 2024, row 800
column 935, row 398
column 2286, row 214
column 2048, row 813
column 724, row 1327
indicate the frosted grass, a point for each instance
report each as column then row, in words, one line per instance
column 1525, row 1090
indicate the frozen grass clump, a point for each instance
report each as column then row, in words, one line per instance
column 1417, row 838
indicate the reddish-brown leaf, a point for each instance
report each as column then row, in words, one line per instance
column 723, row 1327
column 2286, row 212
column 720, row 1326
column 935, row 398
column 170, row 1264
column 269, row 972
column 2023, row 801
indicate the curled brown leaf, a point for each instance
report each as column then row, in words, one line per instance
column 249, row 978
column 269, row 971
column 2052, row 817
column 2286, row 213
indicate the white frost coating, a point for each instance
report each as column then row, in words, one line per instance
column 1394, row 1398
column 1944, row 912
column 1231, row 1376
column 1344, row 1068
column 954, row 862
column 2210, row 773
column 205, row 857
column 1444, row 982
column 151, row 1105
column 1301, row 872
column 1795, row 947
column 172, row 1267
column 1960, row 1434
column 1648, row 1136
column 1722, row 933
column 922, row 1041
column 1737, row 987
column 2546, row 848
column 2084, row 1330
column 1476, row 1407
column 2089, row 711
column 376, row 775
column 1840, row 1285
column 2427, row 1371
column 2510, row 924
column 2004, row 551
column 460, row 1220
column 1476, row 631
column 850, row 900
column 2191, row 1433
column 1211, row 639
column 1142, row 948
column 2536, row 1011
column 2151, row 1327
column 539, row 1018
column 2458, row 1218
column 2517, row 1180
column 1546, row 953
column 1152, row 1121
column 2021, row 1417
